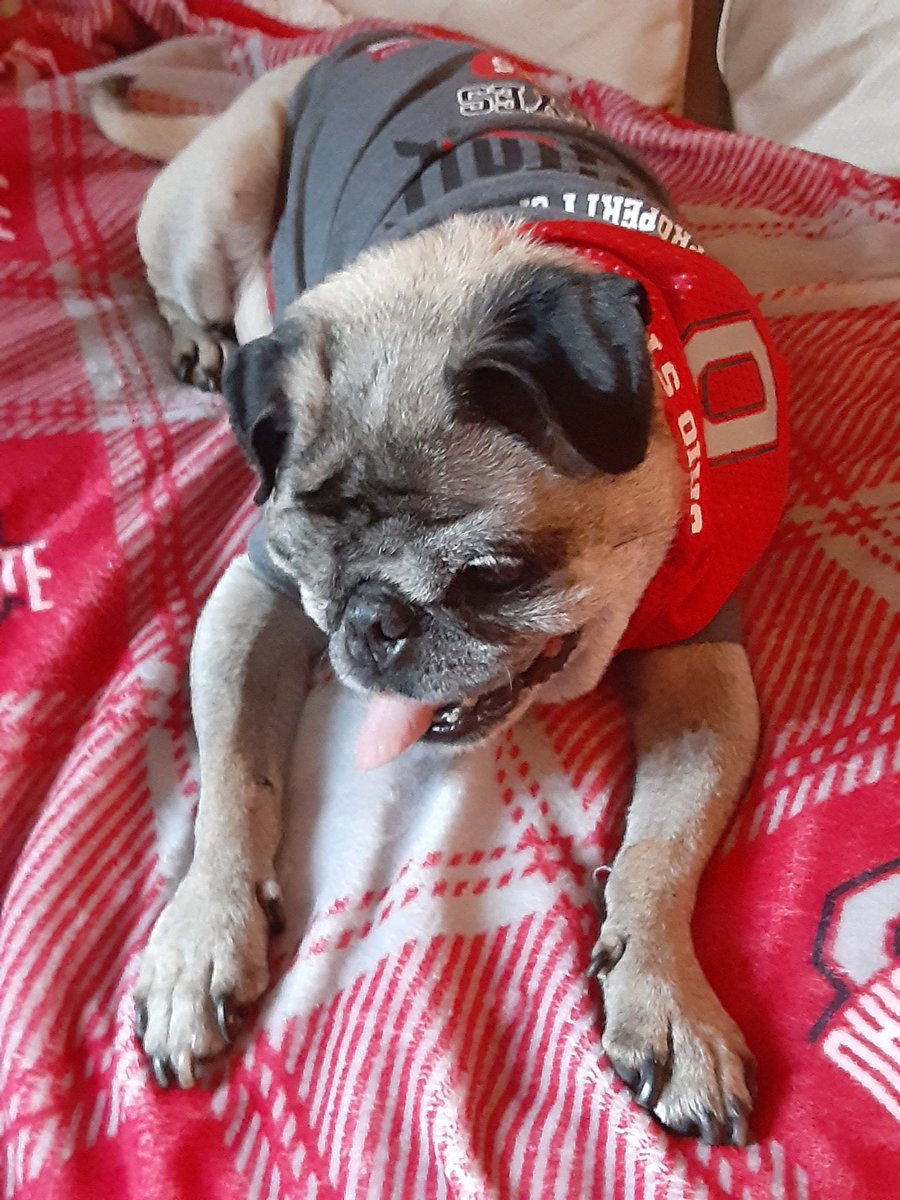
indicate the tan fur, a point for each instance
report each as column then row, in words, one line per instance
column 389, row 304
column 204, row 233
column 225, row 208
column 696, row 726
column 247, row 692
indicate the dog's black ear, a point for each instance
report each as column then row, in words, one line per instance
column 565, row 367
column 258, row 406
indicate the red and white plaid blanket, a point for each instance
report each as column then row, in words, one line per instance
column 429, row 1032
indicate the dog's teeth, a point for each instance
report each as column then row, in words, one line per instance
column 448, row 717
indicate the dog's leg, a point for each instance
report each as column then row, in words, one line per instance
column 206, row 225
column 666, row 1034
column 207, row 954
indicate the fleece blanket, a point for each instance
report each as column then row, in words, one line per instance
column 429, row 1032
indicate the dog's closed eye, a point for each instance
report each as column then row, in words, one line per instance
column 487, row 581
column 496, row 575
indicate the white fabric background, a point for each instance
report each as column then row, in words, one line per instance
column 823, row 75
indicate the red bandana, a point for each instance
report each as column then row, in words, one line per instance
column 725, row 388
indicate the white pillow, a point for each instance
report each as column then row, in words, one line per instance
column 820, row 74
column 640, row 46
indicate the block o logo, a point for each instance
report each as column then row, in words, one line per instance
column 736, row 384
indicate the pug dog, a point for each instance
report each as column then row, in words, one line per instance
column 508, row 422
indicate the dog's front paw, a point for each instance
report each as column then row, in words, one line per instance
column 200, row 352
column 669, row 1039
column 206, row 960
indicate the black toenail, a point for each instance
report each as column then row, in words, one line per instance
column 140, row 1020
column 605, row 959
column 650, row 1082
column 185, row 366
column 630, row 1076
column 750, row 1077
column 684, row 1125
column 158, row 1064
column 711, row 1131
column 225, row 1019
column 737, row 1117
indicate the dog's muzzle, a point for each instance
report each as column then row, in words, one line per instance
column 378, row 626
column 473, row 719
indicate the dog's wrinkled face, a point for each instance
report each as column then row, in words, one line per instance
column 457, row 439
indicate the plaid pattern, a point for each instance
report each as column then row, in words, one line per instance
column 429, row 1032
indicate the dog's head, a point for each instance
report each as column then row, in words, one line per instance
column 466, row 471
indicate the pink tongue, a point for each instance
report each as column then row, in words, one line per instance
column 392, row 724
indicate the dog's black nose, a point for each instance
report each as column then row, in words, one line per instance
column 377, row 625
